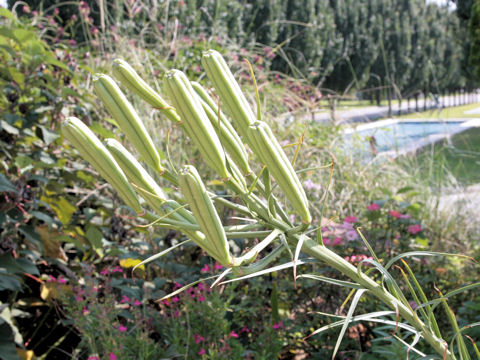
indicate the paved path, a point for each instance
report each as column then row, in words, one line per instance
column 365, row 114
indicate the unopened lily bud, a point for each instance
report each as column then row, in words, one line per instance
column 229, row 91
column 195, row 122
column 196, row 195
column 145, row 184
column 270, row 153
column 92, row 150
column 128, row 120
column 227, row 134
column 130, row 79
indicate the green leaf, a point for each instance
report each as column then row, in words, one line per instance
column 48, row 136
column 6, row 14
column 100, row 130
column 8, row 128
column 30, row 234
column 23, row 161
column 6, row 185
column 7, row 344
column 328, row 280
column 9, row 50
column 9, row 281
column 17, row 266
column 94, row 236
column 355, row 300
column 62, row 208
column 47, row 219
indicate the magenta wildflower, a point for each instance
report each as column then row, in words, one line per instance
column 200, row 287
column 175, row 299
column 218, row 266
column 350, row 219
column 104, row 271
column 292, row 218
column 112, row 356
column 122, row 328
column 117, row 269
column 414, row 229
column 351, row 235
column 138, row 302
column 395, row 214
column 177, row 286
column 202, row 351
column 26, row 9
column 373, row 207
column 85, row 311
column 244, row 329
column 93, row 358
column 125, row 299
column 198, row 338
column 326, row 241
column 233, row 334
column 278, row 326
column 205, row 268
column 337, row 241
column 61, row 280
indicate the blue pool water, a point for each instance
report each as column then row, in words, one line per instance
column 403, row 135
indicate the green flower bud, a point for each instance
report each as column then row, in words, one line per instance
column 128, row 120
column 92, row 150
column 130, row 79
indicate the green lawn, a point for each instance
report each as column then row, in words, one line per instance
column 460, row 157
column 447, row 113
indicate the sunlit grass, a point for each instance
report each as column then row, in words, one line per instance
column 446, row 113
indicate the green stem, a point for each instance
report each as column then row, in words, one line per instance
column 322, row 253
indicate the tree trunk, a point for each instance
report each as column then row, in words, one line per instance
column 424, row 99
column 416, row 102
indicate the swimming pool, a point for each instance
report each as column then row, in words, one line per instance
column 395, row 137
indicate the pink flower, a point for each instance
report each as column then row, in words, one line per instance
column 201, row 298
column 112, row 356
column 218, row 266
column 414, row 229
column 117, row 269
column 200, row 287
column 337, row 241
column 406, row 216
column 326, row 241
column 62, row 280
column 233, row 334
column 202, row 351
column 93, row 358
column 104, row 271
column 278, row 326
column 350, row 219
column 122, row 328
column 395, row 214
column 244, row 329
column 26, row 9
column 138, row 303
column 205, row 268
column 175, row 299
column 125, row 299
column 310, row 185
column 51, row 278
column 85, row 311
column 177, row 286
column 292, row 218
column 373, row 207
column 198, row 338
column 351, row 235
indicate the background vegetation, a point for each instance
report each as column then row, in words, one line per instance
column 68, row 245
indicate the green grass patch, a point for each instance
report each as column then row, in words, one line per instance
column 458, row 157
column 446, row 113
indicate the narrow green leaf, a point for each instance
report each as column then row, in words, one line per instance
column 160, row 254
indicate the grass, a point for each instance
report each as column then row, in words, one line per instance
column 459, row 156
column 446, row 113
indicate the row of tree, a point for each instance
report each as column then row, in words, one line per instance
column 391, row 47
